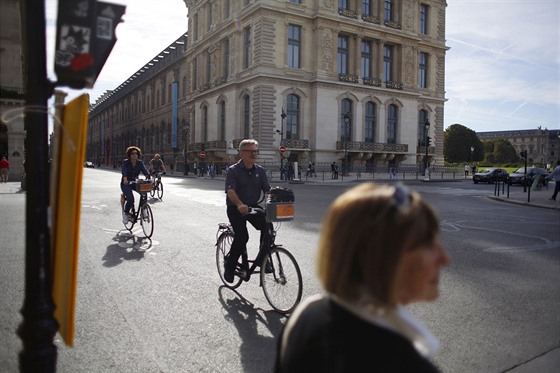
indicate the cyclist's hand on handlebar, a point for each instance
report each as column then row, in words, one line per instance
column 243, row 209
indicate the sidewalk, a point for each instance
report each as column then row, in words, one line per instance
column 533, row 198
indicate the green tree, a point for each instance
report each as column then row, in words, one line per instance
column 457, row 143
column 504, row 152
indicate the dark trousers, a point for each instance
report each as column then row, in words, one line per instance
column 556, row 189
column 127, row 191
column 239, row 225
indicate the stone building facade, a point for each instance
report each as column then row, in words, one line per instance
column 352, row 80
column 542, row 145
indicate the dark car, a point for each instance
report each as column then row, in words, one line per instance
column 490, row 175
column 88, row 164
column 518, row 177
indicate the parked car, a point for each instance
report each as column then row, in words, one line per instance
column 490, row 175
column 518, row 177
column 89, row 164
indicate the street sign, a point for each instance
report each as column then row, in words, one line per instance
column 202, row 154
column 282, row 149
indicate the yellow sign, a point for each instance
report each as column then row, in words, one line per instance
column 66, row 204
column 285, row 211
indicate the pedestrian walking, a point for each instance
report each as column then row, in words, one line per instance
column 466, row 170
column 555, row 175
column 4, row 170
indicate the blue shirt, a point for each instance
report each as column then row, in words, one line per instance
column 131, row 173
column 247, row 183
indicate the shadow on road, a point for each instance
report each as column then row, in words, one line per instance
column 257, row 352
column 127, row 247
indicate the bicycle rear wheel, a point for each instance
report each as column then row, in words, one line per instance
column 282, row 285
column 147, row 220
column 223, row 246
column 159, row 190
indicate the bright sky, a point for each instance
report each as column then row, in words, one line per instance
column 502, row 71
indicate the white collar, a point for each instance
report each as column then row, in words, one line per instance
column 397, row 319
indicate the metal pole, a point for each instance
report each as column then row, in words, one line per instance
column 38, row 327
column 283, row 116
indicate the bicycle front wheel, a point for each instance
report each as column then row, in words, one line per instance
column 223, row 246
column 281, row 280
column 147, row 220
column 159, row 190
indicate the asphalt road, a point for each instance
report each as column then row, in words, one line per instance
column 159, row 306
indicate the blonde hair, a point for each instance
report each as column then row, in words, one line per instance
column 364, row 234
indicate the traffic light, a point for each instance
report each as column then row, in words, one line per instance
column 524, row 154
column 428, row 141
column 85, row 36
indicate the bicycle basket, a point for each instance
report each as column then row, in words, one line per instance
column 279, row 205
column 144, row 186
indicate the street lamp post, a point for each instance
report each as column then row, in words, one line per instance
column 283, row 116
column 427, row 144
column 347, row 118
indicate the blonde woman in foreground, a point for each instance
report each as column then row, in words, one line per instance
column 378, row 251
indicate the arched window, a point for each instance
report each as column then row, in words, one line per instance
column 392, row 121
column 346, row 128
column 369, row 130
column 246, row 117
column 222, row 120
column 292, row 118
column 422, row 117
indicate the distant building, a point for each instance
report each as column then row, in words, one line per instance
column 542, row 145
column 287, row 73
column 12, row 98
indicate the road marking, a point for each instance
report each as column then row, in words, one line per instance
column 134, row 240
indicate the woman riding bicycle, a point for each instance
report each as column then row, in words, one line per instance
column 131, row 168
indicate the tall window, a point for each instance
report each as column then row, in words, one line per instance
column 342, row 56
column 246, row 117
column 392, row 124
column 366, row 62
column 342, row 4
column 388, row 10
column 294, row 46
column 422, row 117
column 424, row 19
column 346, row 130
column 194, row 73
column 292, row 118
column 222, row 120
column 208, row 68
column 209, row 20
column 367, row 8
column 388, row 63
column 226, row 57
column 195, row 26
column 295, row 1
column 370, row 122
column 247, row 49
column 423, row 70
column 227, row 11
column 204, row 134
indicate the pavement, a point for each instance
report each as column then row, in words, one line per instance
column 548, row 361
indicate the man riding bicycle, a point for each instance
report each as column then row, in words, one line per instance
column 131, row 168
column 157, row 165
column 245, row 181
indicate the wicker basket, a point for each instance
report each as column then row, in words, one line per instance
column 144, row 186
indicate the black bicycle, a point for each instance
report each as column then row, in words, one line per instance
column 158, row 186
column 144, row 213
column 280, row 276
